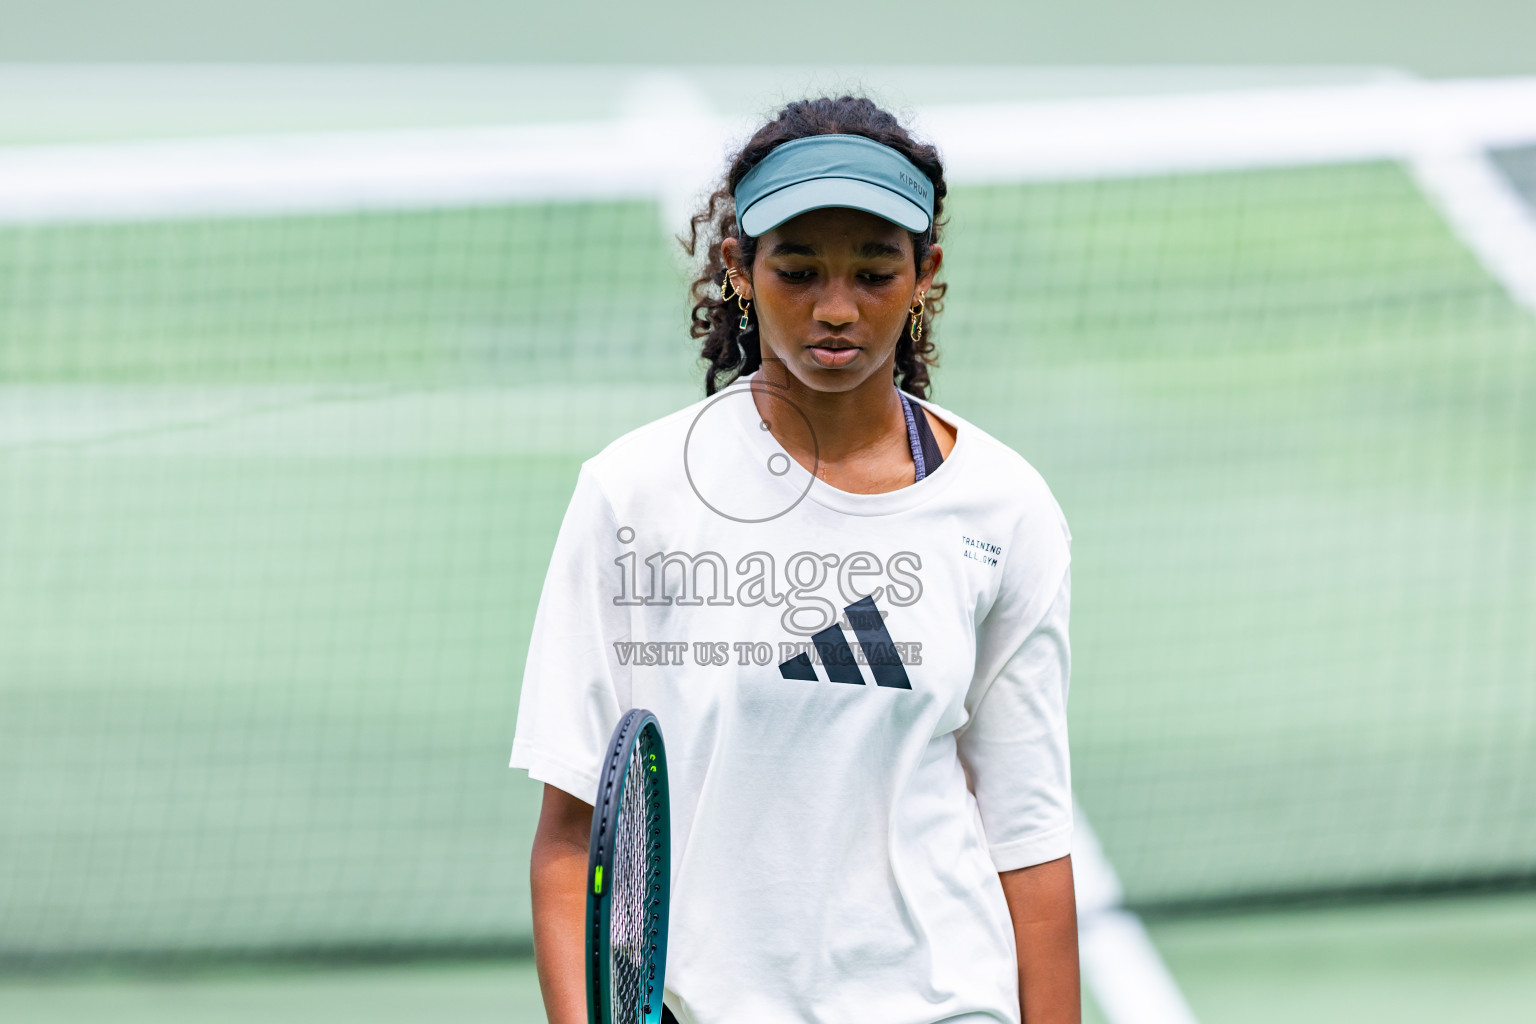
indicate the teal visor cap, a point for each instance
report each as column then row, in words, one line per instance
column 833, row 170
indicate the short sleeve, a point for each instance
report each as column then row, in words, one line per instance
column 1014, row 744
column 574, row 688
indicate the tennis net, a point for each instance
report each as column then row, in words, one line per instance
column 287, row 427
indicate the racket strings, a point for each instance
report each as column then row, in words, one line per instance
column 637, row 892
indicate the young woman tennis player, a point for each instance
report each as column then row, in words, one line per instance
column 847, row 607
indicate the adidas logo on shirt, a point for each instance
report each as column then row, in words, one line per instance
column 838, row 659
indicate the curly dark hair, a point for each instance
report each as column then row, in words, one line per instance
column 732, row 352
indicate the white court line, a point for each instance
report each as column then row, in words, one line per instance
column 1233, row 130
column 1486, row 213
column 664, row 151
column 1129, row 981
column 1121, row 967
column 324, row 422
column 669, row 147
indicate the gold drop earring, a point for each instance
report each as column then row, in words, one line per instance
column 727, row 289
column 915, row 329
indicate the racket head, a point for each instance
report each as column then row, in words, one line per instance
column 629, row 876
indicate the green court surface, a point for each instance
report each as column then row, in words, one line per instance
column 1467, row 959
column 478, row 994
column 1441, row 38
column 1420, row 963
column 466, row 994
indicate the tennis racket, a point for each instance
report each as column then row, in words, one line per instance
column 629, row 867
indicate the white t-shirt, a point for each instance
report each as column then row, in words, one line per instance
column 844, row 788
